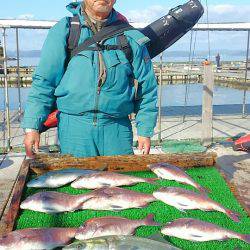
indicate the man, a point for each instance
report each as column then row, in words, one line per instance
column 94, row 91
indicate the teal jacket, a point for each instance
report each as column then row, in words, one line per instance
column 72, row 87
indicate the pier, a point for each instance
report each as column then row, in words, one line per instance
column 177, row 73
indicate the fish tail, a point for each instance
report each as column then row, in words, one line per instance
column 244, row 237
column 203, row 190
column 233, row 215
column 151, row 180
column 149, row 221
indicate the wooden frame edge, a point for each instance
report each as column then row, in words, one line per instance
column 9, row 219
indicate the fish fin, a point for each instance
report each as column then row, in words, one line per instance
column 50, row 210
column 142, row 206
column 151, row 180
column 181, row 207
column 203, row 190
column 105, row 184
column 233, row 215
column 182, row 210
column 245, row 237
column 116, row 207
column 149, row 221
column 82, row 203
column 196, row 236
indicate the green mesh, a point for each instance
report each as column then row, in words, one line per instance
column 182, row 146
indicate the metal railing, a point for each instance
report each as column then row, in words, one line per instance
column 26, row 24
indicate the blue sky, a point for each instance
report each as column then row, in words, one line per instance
column 136, row 10
column 54, row 9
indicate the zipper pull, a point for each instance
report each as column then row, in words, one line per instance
column 98, row 90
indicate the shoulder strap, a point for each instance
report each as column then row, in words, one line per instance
column 117, row 28
column 125, row 47
column 74, row 33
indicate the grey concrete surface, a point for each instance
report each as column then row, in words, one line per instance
column 9, row 169
column 236, row 167
column 172, row 128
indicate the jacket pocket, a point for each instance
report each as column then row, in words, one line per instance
column 119, row 71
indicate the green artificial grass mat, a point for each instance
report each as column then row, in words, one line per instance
column 183, row 146
column 208, row 177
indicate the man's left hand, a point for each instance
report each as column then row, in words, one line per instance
column 144, row 144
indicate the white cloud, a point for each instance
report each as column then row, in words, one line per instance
column 222, row 8
column 217, row 13
column 147, row 15
column 26, row 16
column 229, row 13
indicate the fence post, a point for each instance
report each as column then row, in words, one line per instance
column 244, row 111
column 7, row 109
column 18, row 76
column 207, row 106
column 160, row 100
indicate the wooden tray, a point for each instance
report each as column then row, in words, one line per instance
column 45, row 163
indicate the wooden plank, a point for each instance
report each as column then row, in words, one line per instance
column 11, row 216
column 44, row 162
column 207, row 106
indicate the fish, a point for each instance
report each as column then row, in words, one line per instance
column 37, row 238
column 108, row 179
column 116, row 199
column 58, row 178
column 106, row 226
column 54, row 202
column 197, row 230
column 123, row 242
column 183, row 199
column 170, row 172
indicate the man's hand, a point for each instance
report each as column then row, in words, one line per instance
column 31, row 142
column 144, row 144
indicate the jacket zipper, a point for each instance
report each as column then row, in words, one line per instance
column 97, row 93
column 97, row 103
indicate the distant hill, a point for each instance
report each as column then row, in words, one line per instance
column 25, row 53
column 168, row 53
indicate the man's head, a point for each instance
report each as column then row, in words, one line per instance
column 100, row 8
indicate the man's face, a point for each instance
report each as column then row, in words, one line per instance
column 99, row 6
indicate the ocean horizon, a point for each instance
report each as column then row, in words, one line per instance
column 34, row 61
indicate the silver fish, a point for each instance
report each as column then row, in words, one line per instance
column 119, row 243
column 106, row 226
column 108, row 179
column 169, row 172
column 54, row 202
column 58, row 178
column 116, row 199
column 196, row 230
column 42, row 238
column 183, row 199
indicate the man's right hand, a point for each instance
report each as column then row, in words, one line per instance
column 31, row 142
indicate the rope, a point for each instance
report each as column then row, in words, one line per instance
column 189, row 78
